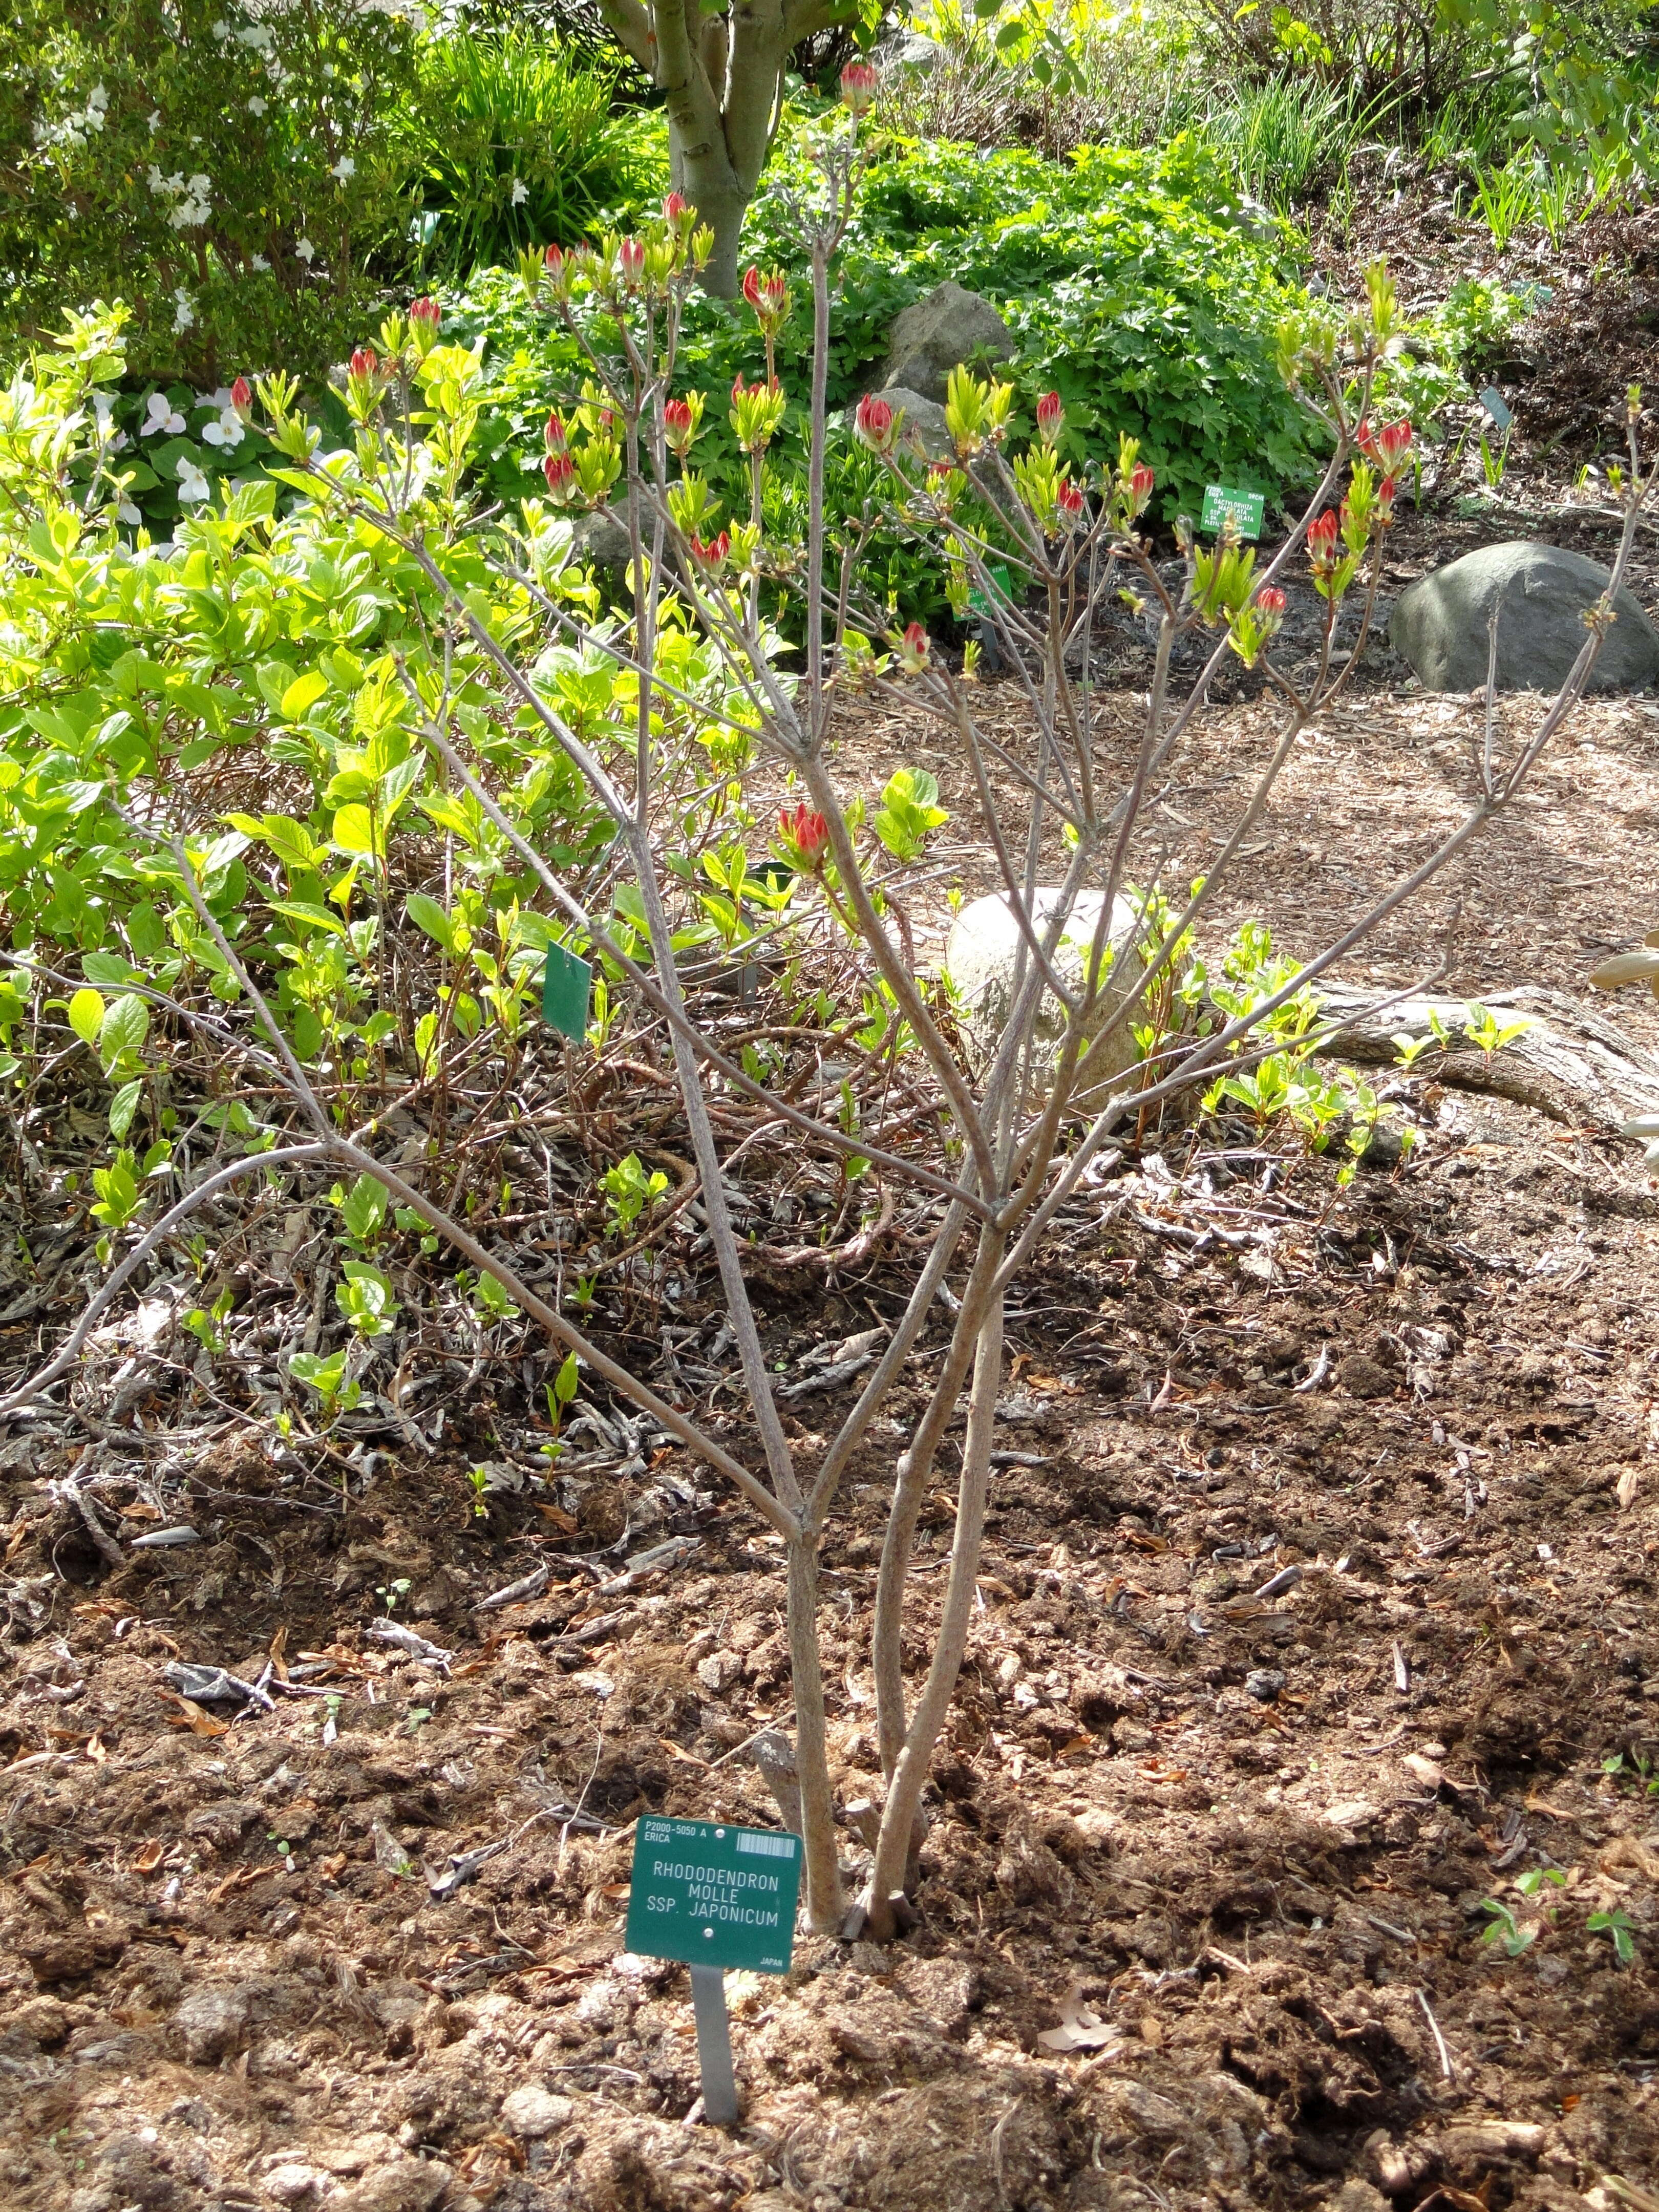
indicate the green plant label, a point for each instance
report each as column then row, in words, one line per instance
column 1002, row 583
column 715, row 1896
column 1244, row 509
column 1495, row 405
column 564, row 992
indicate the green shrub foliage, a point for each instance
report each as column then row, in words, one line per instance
column 1129, row 281
column 227, row 168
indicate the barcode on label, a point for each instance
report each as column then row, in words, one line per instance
column 768, row 1847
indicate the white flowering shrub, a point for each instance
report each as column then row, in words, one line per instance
column 224, row 166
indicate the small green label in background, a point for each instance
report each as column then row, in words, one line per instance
column 564, row 992
column 1002, row 583
column 715, row 1896
column 1244, row 509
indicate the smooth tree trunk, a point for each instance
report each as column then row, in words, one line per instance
column 721, row 79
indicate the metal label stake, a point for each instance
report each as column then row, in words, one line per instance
column 719, row 2087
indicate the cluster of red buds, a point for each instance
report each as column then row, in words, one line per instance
column 1271, row 601
column 913, row 648
column 425, row 320
column 858, row 80
column 804, row 835
column 756, row 413
column 1388, row 450
column 711, row 554
column 876, row 424
column 1321, row 543
column 681, row 419
column 362, row 378
column 1050, row 418
column 558, row 467
column 1069, row 503
column 241, row 400
column 769, row 296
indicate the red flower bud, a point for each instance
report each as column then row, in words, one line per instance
column 805, row 833
column 554, row 436
column 711, row 553
column 1141, row 481
column 858, row 86
column 914, row 647
column 241, row 398
column 1068, row 500
column 873, row 422
column 1271, row 601
column 630, row 257
column 561, row 473
column 364, row 363
column 426, row 312
column 1321, row 539
column 675, row 206
column 1388, row 447
column 679, row 425
column 1050, row 417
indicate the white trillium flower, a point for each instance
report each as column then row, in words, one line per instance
column 345, row 167
column 226, row 432
column 193, row 486
column 259, row 263
column 256, row 105
column 305, row 249
column 521, row 192
column 160, row 415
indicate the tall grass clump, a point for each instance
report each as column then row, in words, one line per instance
column 514, row 141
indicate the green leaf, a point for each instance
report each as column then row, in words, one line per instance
column 308, row 911
column 125, row 1027
column 353, row 830
column 426, row 914
column 568, row 1381
column 86, row 1015
column 303, row 694
column 124, row 1106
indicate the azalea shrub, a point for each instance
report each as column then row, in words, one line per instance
column 227, row 168
column 296, row 812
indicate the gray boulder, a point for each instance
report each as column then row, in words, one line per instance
column 981, row 957
column 936, row 334
column 600, row 538
column 1440, row 623
column 910, row 50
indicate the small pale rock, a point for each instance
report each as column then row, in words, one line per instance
column 296, row 2185
column 982, row 958
column 210, row 2020
column 1352, row 1813
column 1264, row 1685
column 719, row 1671
column 407, row 2184
column 533, row 2113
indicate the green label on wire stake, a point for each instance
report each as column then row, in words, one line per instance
column 715, row 1896
column 564, row 992
column 1002, row 583
column 1244, row 510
